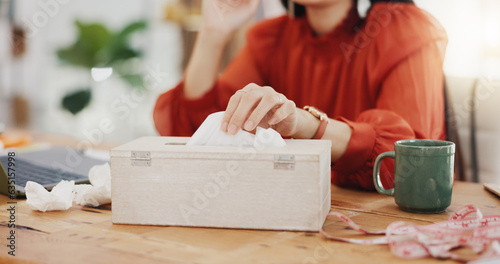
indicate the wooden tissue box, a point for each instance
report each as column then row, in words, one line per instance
column 160, row 181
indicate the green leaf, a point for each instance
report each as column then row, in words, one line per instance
column 74, row 102
column 94, row 37
column 131, row 28
column 76, row 56
column 135, row 80
column 121, row 54
column 89, row 49
column 120, row 46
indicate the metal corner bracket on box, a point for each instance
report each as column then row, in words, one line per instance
column 284, row 162
column 140, row 158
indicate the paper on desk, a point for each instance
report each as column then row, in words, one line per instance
column 65, row 192
column 210, row 134
column 98, row 192
column 59, row 198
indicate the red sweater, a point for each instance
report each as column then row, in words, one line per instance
column 384, row 79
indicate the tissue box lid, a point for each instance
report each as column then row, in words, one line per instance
column 175, row 148
column 160, row 181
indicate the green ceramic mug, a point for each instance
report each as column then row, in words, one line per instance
column 423, row 174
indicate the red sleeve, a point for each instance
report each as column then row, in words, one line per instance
column 410, row 104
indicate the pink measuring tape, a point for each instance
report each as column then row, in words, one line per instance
column 409, row 241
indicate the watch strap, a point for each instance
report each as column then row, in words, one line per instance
column 323, row 118
column 322, row 128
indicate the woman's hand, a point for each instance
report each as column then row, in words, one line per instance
column 256, row 105
column 225, row 16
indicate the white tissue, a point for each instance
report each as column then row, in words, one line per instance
column 65, row 192
column 99, row 191
column 268, row 138
column 60, row 198
column 210, row 134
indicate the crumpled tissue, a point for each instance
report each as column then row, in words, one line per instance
column 210, row 134
column 65, row 192
column 98, row 192
column 59, row 198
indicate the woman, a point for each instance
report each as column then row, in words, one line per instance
column 378, row 79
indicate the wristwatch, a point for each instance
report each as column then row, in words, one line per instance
column 323, row 118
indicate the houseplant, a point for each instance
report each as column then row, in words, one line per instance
column 98, row 49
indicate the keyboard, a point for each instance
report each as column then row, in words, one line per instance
column 27, row 171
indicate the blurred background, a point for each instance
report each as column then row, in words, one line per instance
column 93, row 69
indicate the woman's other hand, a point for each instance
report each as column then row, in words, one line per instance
column 226, row 16
column 221, row 18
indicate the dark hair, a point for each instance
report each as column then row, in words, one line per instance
column 300, row 10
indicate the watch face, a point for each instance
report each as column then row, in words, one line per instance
column 316, row 113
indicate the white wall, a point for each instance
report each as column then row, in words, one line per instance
column 473, row 28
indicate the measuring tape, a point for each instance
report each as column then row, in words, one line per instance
column 409, row 241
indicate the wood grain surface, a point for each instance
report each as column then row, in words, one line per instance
column 86, row 235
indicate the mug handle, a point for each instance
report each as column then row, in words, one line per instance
column 376, row 173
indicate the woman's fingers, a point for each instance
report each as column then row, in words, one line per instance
column 228, row 15
column 245, row 106
column 249, row 106
column 268, row 102
column 285, row 110
column 231, row 107
column 239, row 106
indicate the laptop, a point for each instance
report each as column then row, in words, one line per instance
column 46, row 167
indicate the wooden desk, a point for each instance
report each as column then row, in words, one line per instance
column 56, row 139
column 86, row 235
